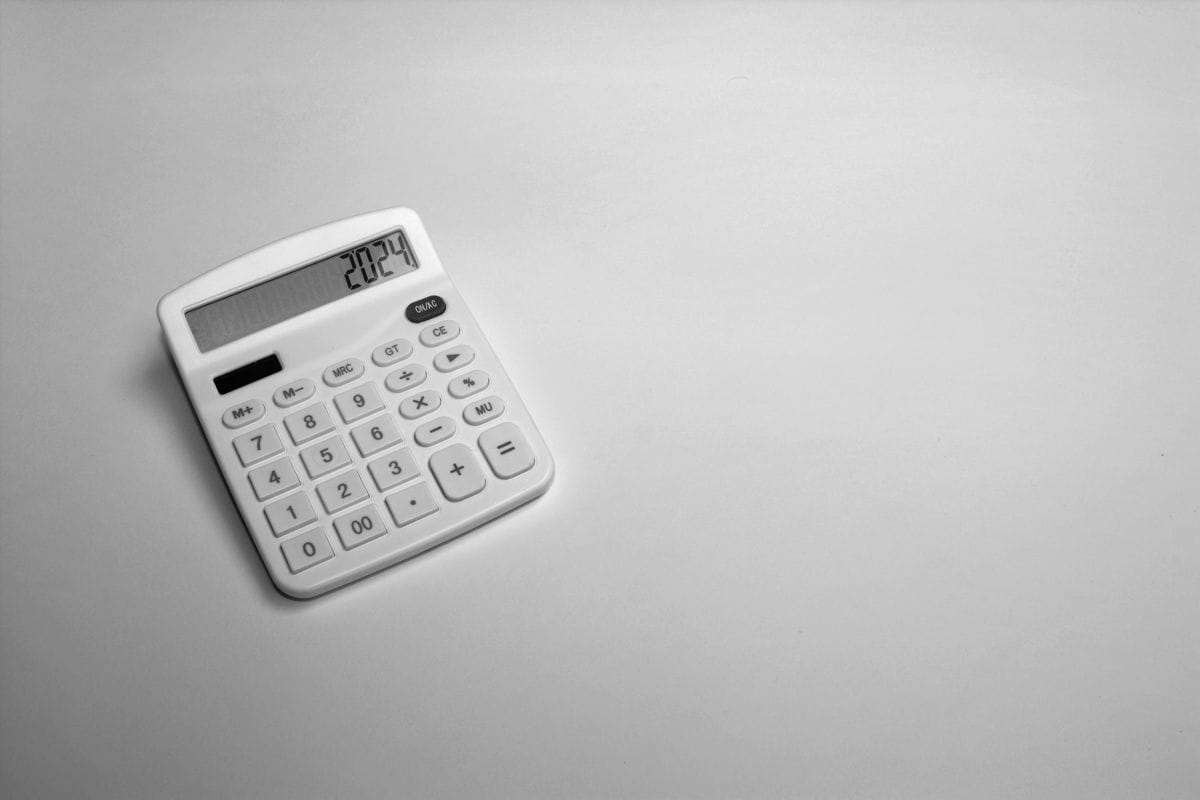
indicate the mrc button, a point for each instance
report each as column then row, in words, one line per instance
column 425, row 308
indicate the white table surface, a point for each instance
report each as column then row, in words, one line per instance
column 866, row 338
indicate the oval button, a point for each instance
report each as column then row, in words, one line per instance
column 404, row 379
column 344, row 372
column 469, row 384
column 390, row 352
column 439, row 332
column 295, row 392
column 453, row 358
column 425, row 309
column 439, row 430
column 243, row 414
column 484, row 410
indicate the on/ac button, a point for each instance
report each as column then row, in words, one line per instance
column 425, row 308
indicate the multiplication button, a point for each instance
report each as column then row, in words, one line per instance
column 457, row 472
column 506, row 451
column 421, row 404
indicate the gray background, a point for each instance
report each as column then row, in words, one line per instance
column 866, row 338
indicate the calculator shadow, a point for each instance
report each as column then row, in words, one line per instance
column 203, row 473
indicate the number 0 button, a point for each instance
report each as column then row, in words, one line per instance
column 307, row 550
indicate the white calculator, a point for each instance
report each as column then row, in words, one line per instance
column 351, row 400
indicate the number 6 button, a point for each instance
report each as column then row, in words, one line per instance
column 375, row 435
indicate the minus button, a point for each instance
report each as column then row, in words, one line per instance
column 434, row 431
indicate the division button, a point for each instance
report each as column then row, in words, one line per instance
column 359, row 526
column 289, row 513
column 295, row 392
column 390, row 352
column 411, row 504
column 243, row 414
column 343, row 372
column 484, row 410
column 466, row 385
column 440, row 333
column 307, row 550
column 506, row 451
column 457, row 472
column 425, row 309
column 434, row 431
column 421, row 404
column 454, row 358
column 404, row 379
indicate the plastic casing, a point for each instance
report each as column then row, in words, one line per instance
column 308, row 343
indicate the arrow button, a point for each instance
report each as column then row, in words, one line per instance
column 453, row 358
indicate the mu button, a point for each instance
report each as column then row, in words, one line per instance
column 484, row 410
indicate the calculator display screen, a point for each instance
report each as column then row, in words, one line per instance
column 354, row 269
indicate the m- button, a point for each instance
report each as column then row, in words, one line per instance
column 440, row 332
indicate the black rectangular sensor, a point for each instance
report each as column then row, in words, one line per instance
column 247, row 374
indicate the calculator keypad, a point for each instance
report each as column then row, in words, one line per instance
column 375, row 456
